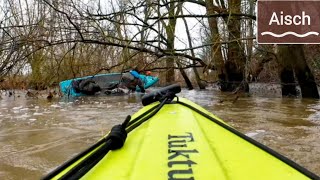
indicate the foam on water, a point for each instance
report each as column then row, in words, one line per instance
column 37, row 114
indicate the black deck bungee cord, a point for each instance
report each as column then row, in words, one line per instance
column 68, row 163
column 111, row 144
column 142, row 115
column 138, row 123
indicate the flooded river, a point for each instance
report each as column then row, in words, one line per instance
column 36, row 135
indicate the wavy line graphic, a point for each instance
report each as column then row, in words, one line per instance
column 290, row 33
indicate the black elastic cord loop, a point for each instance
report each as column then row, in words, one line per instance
column 85, row 165
column 114, row 140
column 126, row 121
column 169, row 95
column 117, row 136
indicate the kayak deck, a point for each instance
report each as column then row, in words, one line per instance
column 180, row 143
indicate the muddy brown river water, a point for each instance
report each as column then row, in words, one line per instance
column 36, row 135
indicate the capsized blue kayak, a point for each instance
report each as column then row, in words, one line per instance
column 104, row 81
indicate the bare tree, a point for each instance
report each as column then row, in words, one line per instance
column 196, row 73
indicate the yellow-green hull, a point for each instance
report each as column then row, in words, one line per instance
column 178, row 143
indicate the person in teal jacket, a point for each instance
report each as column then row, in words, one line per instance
column 131, row 80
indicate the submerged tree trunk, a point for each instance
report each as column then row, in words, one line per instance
column 185, row 76
column 303, row 73
column 174, row 9
column 235, row 65
column 293, row 62
column 197, row 76
column 170, row 30
column 286, row 73
column 288, row 86
column 196, row 73
column 216, row 54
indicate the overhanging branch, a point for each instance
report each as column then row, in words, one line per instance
column 207, row 16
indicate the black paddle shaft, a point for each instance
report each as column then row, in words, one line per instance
column 166, row 92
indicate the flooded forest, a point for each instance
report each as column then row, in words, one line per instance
column 269, row 92
column 195, row 43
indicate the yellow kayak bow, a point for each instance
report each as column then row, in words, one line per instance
column 176, row 139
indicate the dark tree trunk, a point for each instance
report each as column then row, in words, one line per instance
column 307, row 83
column 293, row 61
column 198, row 79
column 288, row 86
column 174, row 8
column 235, row 77
column 170, row 61
column 216, row 54
column 304, row 75
column 170, row 76
column 235, row 65
column 185, row 77
column 196, row 73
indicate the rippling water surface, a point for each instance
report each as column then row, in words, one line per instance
column 37, row 135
